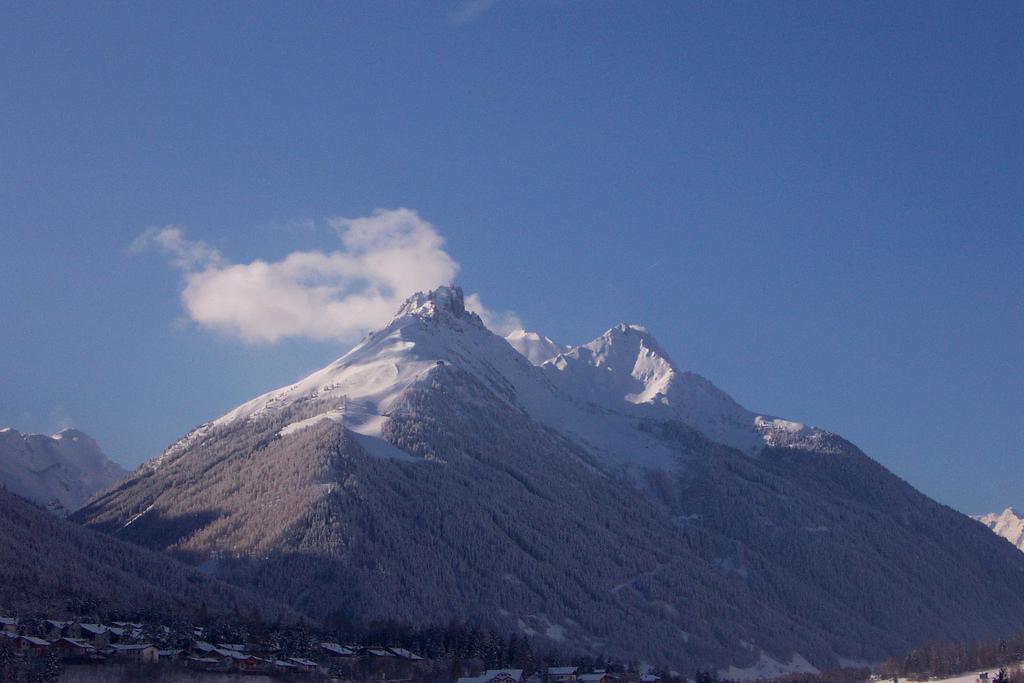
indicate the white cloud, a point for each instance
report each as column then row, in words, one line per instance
column 319, row 295
column 499, row 322
column 469, row 10
column 186, row 255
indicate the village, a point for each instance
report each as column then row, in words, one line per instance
column 42, row 649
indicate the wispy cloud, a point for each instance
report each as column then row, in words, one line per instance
column 318, row 295
column 470, row 10
column 500, row 322
column 185, row 254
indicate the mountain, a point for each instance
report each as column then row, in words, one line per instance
column 625, row 370
column 54, row 567
column 60, row 471
column 536, row 347
column 1007, row 524
column 603, row 501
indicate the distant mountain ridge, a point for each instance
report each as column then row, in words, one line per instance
column 60, row 472
column 1008, row 524
column 601, row 500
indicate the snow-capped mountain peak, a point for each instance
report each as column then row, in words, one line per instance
column 1007, row 524
column 443, row 301
column 359, row 389
column 76, row 436
column 632, row 364
column 626, row 369
column 536, row 347
column 624, row 372
column 61, row 471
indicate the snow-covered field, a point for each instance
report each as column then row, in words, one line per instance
column 767, row 667
column 968, row 677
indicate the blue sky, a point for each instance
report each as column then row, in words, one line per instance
column 819, row 206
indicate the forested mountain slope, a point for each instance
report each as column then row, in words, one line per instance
column 604, row 500
column 54, row 567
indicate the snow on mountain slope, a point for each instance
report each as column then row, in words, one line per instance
column 597, row 393
column 60, row 472
column 432, row 329
column 1007, row 524
column 625, row 369
column 536, row 347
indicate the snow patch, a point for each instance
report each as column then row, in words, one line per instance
column 135, row 517
column 536, row 347
column 555, row 632
column 378, row 447
column 778, row 425
column 524, row 628
column 768, row 667
column 332, row 415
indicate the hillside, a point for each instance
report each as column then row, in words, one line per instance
column 60, row 472
column 604, row 501
column 54, row 567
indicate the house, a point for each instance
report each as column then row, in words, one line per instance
column 201, row 648
column 496, row 676
column 377, row 652
column 55, row 629
column 561, row 674
column 251, row 664
column 139, row 653
column 597, row 677
column 281, row 665
column 211, row 663
column 74, row 647
column 169, row 655
column 134, row 633
column 245, row 663
column 304, row 665
column 649, row 678
column 9, row 624
column 262, row 648
column 123, row 633
column 31, row 644
column 240, row 660
column 404, row 654
column 128, row 624
column 97, row 634
column 336, row 650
